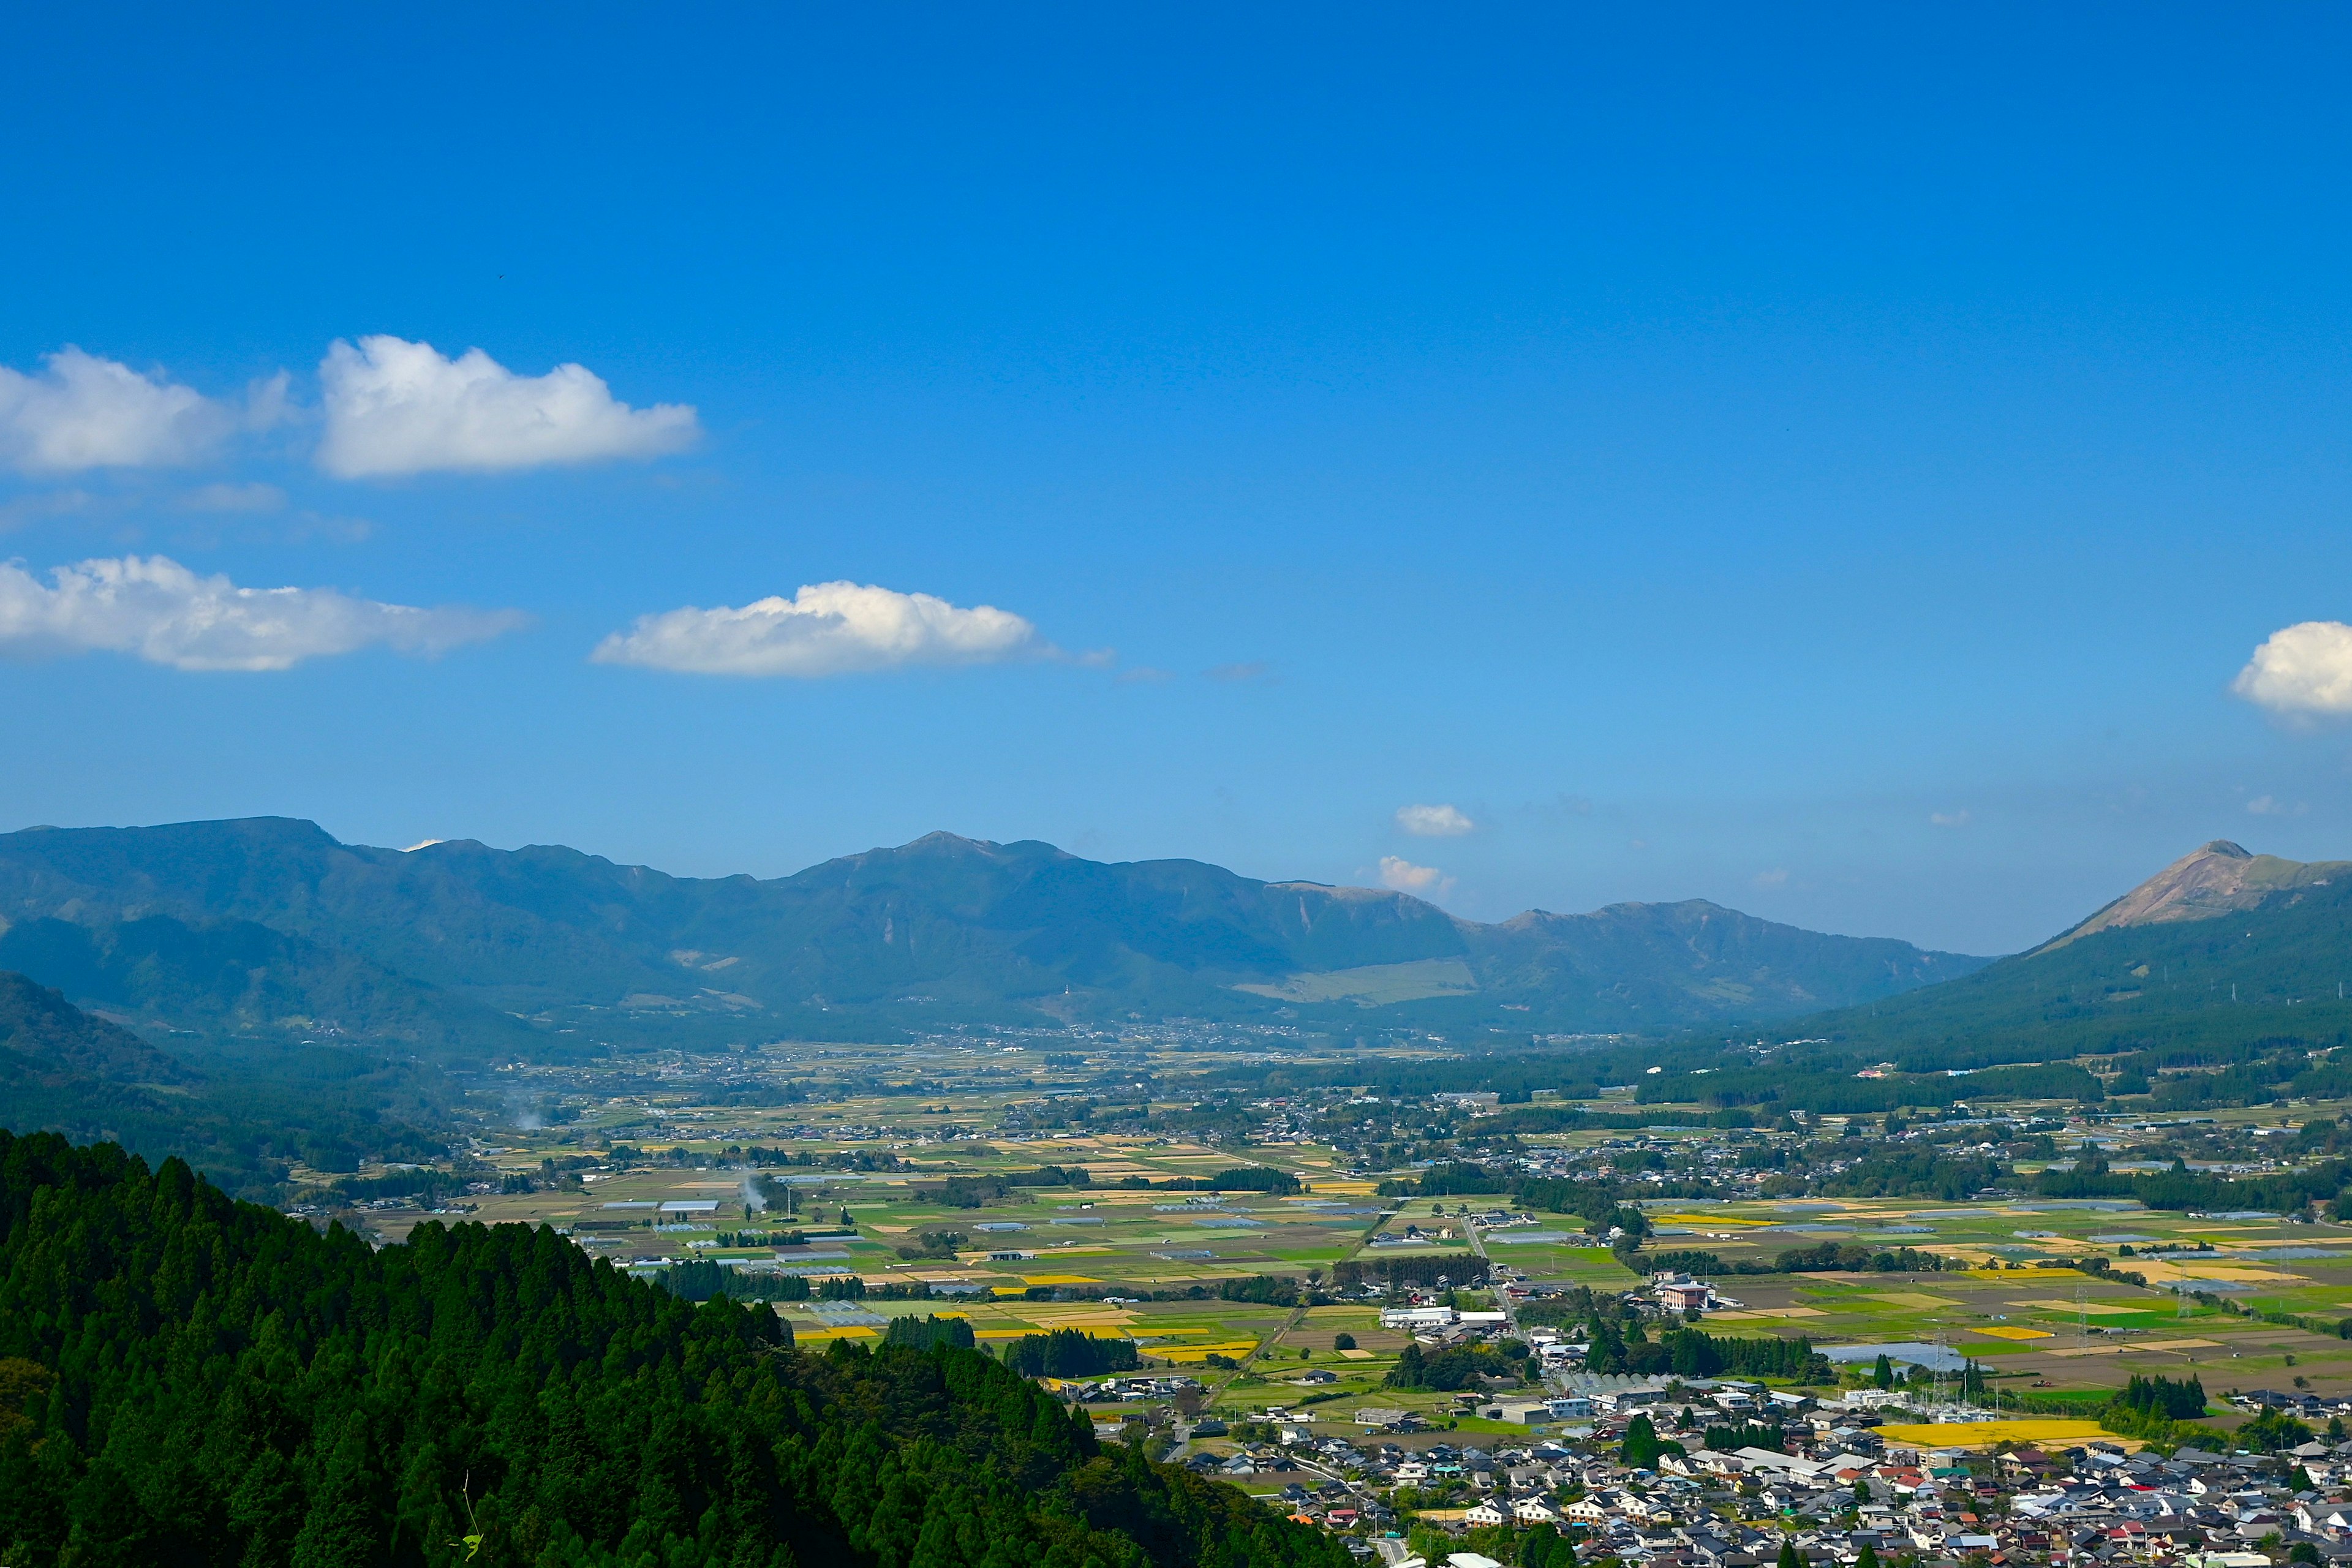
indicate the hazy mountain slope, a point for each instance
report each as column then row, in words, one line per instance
column 1645, row 965
column 45, row 1042
column 239, row 978
column 941, row 927
column 2220, row 947
column 63, row 1070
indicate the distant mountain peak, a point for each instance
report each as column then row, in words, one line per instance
column 940, row 843
column 2216, row 878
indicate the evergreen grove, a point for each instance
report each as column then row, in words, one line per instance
column 189, row 1380
column 1688, row 1352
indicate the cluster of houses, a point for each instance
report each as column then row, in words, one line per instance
column 1837, row 1488
column 1148, row 1386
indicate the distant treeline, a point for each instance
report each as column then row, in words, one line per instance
column 1830, row 1257
column 1574, row 1118
column 973, row 1191
column 1070, row 1353
column 922, row 1333
column 1514, row 1075
column 1459, row 1366
column 1598, row 1202
column 1837, row 1091
column 1690, row 1353
column 1747, row 1435
column 707, row 1279
column 1266, row 1290
column 2181, row 1188
column 1425, row 1269
column 1902, row 1173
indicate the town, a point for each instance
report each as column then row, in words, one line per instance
column 1436, row 1325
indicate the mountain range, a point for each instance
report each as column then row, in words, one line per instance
column 269, row 929
column 260, row 994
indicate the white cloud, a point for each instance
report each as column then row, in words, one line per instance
column 1776, row 878
column 1432, row 821
column 2271, row 806
column 1405, row 877
column 83, row 412
column 2304, row 668
column 160, row 611
column 1960, row 819
column 398, row 407
column 828, row 629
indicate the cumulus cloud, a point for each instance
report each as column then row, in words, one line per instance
column 1432, row 821
column 827, row 628
column 158, row 610
column 1427, row 881
column 397, row 407
column 2302, row 670
column 83, row 412
column 1960, row 819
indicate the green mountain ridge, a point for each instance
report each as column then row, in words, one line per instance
column 2222, row 950
column 271, row 926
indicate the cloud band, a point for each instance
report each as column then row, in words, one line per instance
column 157, row 610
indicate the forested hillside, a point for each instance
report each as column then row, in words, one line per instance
column 188, row 1380
column 242, row 1120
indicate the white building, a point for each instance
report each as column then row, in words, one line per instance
column 1420, row 1317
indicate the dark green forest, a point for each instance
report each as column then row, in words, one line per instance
column 185, row 1379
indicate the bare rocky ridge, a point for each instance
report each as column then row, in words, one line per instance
column 2217, row 879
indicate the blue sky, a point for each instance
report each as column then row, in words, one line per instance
column 1830, row 461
